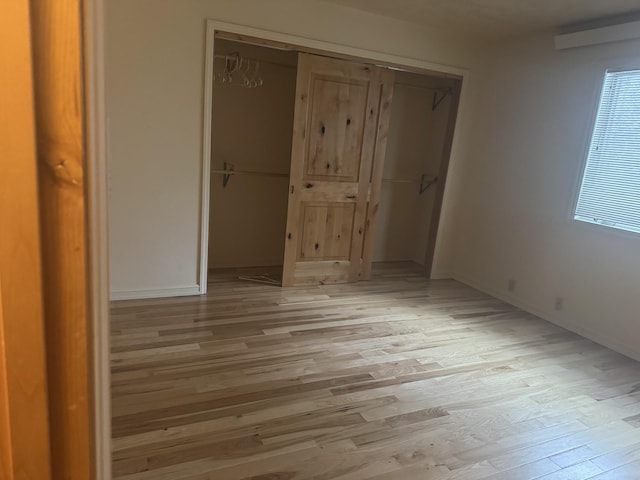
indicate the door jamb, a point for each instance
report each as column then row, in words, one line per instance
column 268, row 38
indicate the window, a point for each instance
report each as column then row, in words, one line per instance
column 610, row 191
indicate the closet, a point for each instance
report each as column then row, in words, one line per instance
column 420, row 116
column 321, row 166
column 251, row 134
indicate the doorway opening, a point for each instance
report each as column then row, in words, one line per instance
column 251, row 189
column 253, row 96
column 415, row 168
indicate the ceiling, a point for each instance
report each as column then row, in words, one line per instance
column 496, row 18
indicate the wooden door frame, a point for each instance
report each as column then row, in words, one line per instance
column 241, row 33
column 24, row 416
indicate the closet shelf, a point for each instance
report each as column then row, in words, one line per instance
column 248, row 172
column 400, row 180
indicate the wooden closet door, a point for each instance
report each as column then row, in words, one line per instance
column 340, row 122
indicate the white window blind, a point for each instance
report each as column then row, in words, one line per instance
column 610, row 191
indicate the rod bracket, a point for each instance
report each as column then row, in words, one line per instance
column 426, row 181
column 437, row 100
column 230, row 167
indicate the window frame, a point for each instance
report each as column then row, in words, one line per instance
column 598, row 87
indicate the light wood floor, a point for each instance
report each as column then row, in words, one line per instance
column 398, row 378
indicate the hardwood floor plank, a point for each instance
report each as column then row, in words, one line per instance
column 579, row 471
column 396, row 378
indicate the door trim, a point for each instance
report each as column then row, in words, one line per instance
column 279, row 40
column 97, row 175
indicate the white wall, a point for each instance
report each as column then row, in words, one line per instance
column 532, row 114
column 252, row 129
column 154, row 65
column 416, row 139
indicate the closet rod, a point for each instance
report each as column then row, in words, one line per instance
column 248, row 172
column 230, row 56
column 400, row 180
column 423, row 87
column 222, row 56
column 229, row 169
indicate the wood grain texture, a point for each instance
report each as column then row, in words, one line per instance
column 396, row 378
column 377, row 169
column 337, row 117
column 59, row 107
column 334, row 139
column 24, row 432
column 326, row 231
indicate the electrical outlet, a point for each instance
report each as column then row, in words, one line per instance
column 559, row 304
column 511, row 285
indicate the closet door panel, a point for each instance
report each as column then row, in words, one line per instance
column 336, row 122
column 326, row 231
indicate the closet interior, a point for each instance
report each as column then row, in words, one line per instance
column 414, row 173
column 254, row 99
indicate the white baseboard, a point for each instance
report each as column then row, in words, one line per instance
column 155, row 293
column 553, row 317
